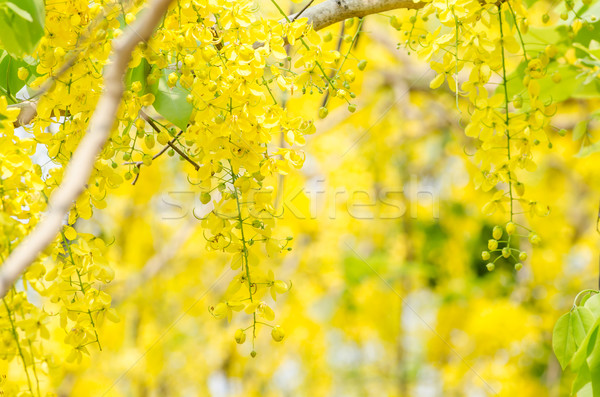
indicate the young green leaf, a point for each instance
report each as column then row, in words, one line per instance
column 569, row 332
column 171, row 103
column 19, row 11
column 22, row 26
column 579, row 130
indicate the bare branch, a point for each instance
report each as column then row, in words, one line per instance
column 80, row 167
column 170, row 143
column 332, row 11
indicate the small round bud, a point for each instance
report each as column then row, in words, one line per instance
column 522, row 256
column 323, row 112
column 129, row 18
column 534, row 239
column 362, row 65
column 149, row 141
column 352, row 108
column 136, row 86
column 22, row 73
column 518, row 102
column 277, row 333
column 545, row 18
column 492, row 244
column 556, row 77
column 240, row 336
column 189, row 60
column 205, row 198
column 485, row 255
column 497, row 232
column 253, row 354
column 506, row 252
column 518, row 266
column 490, row 267
column 510, row 228
column 551, row 51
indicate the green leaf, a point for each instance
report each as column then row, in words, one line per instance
column 582, row 385
column 593, row 362
column 593, row 303
column 579, row 358
column 171, row 103
column 139, row 73
column 563, row 342
column 585, row 298
column 580, row 130
column 550, row 91
column 588, row 150
column 569, row 332
column 21, row 35
column 10, row 83
column 589, row 90
column 19, row 11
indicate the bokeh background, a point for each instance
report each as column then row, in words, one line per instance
column 390, row 295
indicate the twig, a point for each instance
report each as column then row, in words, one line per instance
column 157, row 155
column 171, row 144
column 80, row 167
column 297, row 15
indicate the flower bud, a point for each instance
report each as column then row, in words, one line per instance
column 522, row 256
column 497, row 233
column 240, row 336
column 277, row 333
column 510, row 228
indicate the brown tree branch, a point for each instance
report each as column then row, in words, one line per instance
column 333, row 11
column 170, row 143
column 80, row 167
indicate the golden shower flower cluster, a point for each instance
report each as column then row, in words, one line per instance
column 206, row 88
column 478, row 48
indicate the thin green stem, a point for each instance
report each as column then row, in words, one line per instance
column 16, row 337
column 82, row 288
column 504, row 83
column 244, row 250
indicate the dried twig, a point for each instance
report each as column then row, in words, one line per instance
column 171, row 143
